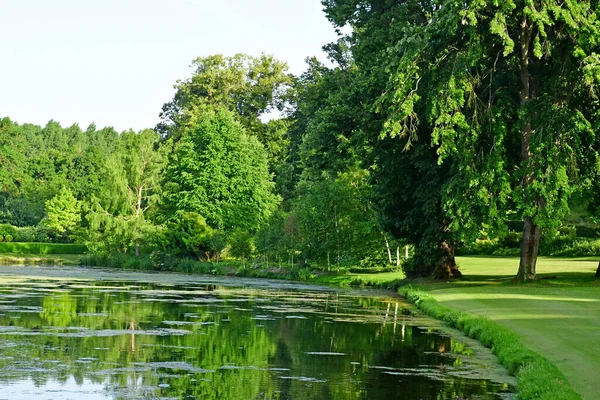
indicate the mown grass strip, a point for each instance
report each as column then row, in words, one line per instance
column 36, row 259
column 537, row 378
column 42, row 248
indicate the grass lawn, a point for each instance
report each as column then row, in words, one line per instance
column 36, row 259
column 381, row 279
column 558, row 317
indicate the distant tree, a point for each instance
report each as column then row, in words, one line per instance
column 219, row 172
column 242, row 245
column 247, row 86
column 63, row 213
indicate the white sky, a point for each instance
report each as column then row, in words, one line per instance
column 114, row 62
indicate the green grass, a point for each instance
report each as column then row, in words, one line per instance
column 36, row 259
column 41, row 248
column 557, row 317
column 538, row 378
column 382, row 279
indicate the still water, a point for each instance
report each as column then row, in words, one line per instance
column 99, row 335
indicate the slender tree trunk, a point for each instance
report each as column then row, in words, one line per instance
column 138, row 211
column 446, row 267
column 598, row 271
column 531, row 232
column 406, row 252
column 397, row 256
column 387, row 246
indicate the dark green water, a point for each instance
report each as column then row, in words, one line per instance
column 124, row 340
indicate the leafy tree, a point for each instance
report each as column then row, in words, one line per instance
column 334, row 222
column 12, row 158
column 241, row 245
column 191, row 233
column 245, row 85
column 64, row 213
column 143, row 161
column 491, row 110
column 117, row 217
column 219, row 172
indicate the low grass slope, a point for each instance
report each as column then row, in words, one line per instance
column 558, row 317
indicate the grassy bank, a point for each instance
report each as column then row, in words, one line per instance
column 557, row 317
column 538, row 378
column 229, row 267
column 36, row 259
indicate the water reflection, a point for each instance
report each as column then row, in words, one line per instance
column 140, row 340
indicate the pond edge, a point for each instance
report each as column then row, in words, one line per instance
column 537, row 378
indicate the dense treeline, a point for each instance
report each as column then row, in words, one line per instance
column 435, row 125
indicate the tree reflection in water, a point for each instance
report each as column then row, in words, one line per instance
column 140, row 340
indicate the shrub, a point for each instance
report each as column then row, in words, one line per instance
column 32, row 234
column 8, row 238
column 42, row 248
column 6, row 229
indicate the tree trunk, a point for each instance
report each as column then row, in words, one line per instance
column 598, row 271
column 531, row 232
column 137, row 248
column 387, row 246
column 529, row 251
column 446, row 267
column 397, row 256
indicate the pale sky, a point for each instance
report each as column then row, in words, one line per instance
column 114, row 62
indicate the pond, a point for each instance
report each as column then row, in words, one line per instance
column 73, row 333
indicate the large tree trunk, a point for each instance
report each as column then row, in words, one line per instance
column 598, row 271
column 446, row 267
column 531, row 232
column 529, row 251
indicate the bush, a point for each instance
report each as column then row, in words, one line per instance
column 580, row 247
column 7, row 230
column 118, row 260
column 301, row 274
column 8, row 238
column 42, row 248
column 32, row 234
column 378, row 262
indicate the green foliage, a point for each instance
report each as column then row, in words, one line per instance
column 537, row 378
column 248, row 86
column 63, row 213
column 32, row 234
column 378, row 262
column 6, row 229
column 191, row 233
column 335, row 220
column 118, row 260
column 42, row 248
column 241, row 244
column 216, row 170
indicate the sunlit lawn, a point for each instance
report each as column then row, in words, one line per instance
column 35, row 259
column 376, row 279
column 559, row 317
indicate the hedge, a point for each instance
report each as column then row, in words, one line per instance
column 42, row 248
